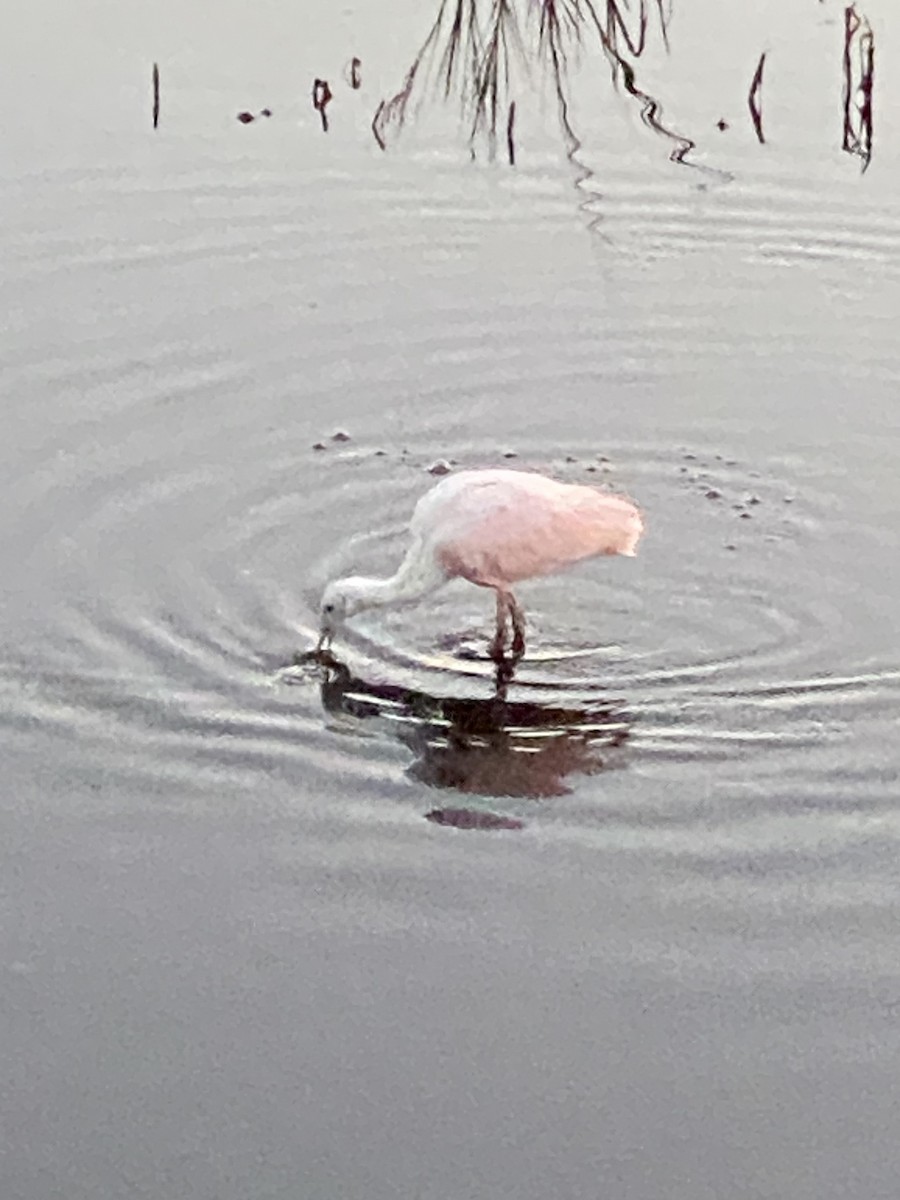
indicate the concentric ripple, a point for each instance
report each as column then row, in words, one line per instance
column 666, row 661
column 182, row 502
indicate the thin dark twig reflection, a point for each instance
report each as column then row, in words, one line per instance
column 859, row 76
column 321, row 98
column 754, row 99
column 473, row 55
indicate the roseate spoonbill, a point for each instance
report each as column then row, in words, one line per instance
column 495, row 528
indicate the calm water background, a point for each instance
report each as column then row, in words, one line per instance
column 237, row 959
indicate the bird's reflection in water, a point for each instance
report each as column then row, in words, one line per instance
column 492, row 746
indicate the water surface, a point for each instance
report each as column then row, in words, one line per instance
column 628, row 930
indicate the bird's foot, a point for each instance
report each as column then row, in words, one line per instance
column 507, row 658
column 518, row 627
column 497, row 649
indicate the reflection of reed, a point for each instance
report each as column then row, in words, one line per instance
column 754, row 99
column 156, row 95
column 321, row 98
column 651, row 111
column 472, row 56
column 493, row 745
column 352, row 73
column 859, row 74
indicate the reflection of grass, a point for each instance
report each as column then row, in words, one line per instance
column 473, row 46
column 754, row 99
column 156, row 95
column 859, row 73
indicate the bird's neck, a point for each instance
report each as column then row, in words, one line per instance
column 416, row 576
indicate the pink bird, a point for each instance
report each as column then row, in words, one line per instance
column 494, row 528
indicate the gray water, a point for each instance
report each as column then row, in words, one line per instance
column 271, row 931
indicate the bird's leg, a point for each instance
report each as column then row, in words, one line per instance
column 498, row 645
column 508, row 610
column 518, row 624
column 503, row 676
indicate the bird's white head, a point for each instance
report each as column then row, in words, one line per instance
column 341, row 599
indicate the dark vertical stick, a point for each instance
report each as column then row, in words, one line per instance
column 377, row 125
column 866, row 82
column 859, row 56
column 321, row 98
column 510, row 138
column 754, row 99
column 851, row 24
column 156, row 95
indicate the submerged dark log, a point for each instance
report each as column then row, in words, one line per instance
column 472, row 818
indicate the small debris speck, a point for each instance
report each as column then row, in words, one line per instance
column 340, row 436
column 440, row 467
column 319, row 446
column 510, row 454
column 712, row 494
column 745, row 516
column 570, row 458
column 245, row 117
column 754, row 500
column 266, row 112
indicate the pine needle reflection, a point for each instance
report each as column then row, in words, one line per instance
column 492, row 746
column 480, row 51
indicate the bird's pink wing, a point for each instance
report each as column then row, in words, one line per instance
column 534, row 526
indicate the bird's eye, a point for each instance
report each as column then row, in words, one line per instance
column 329, row 608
